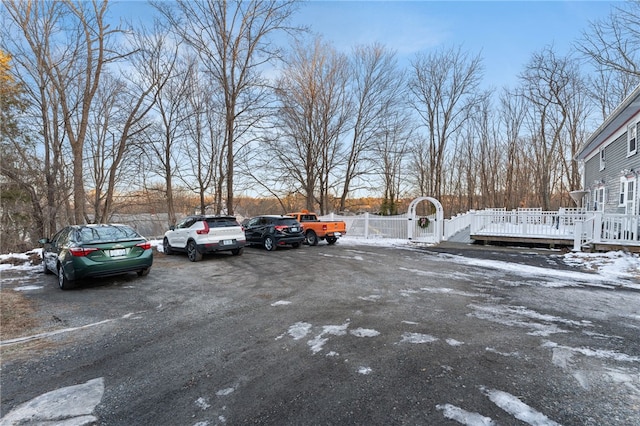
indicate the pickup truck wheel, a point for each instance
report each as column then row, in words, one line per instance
column 269, row 243
column 192, row 252
column 331, row 240
column 166, row 247
column 312, row 238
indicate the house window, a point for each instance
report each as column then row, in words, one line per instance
column 602, row 159
column 598, row 199
column 632, row 139
column 628, row 194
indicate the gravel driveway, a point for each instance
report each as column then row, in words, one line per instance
column 332, row 335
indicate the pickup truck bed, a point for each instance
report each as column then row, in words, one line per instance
column 316, row 230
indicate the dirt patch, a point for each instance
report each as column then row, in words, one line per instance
column 17, row 314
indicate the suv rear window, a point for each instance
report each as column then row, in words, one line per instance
column 222, row 222
column 286, row 221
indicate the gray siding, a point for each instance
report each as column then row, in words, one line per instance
column 616, row 161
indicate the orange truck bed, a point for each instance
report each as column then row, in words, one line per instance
column 316, row 230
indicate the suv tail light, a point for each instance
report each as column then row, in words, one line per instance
column 144, row 246
column 81, row 251
column 281, row 228
column 204, row 231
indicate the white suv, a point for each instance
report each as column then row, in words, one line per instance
column 202, row 234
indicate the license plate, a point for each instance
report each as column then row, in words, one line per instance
column 118, row 253
column 294, row 229
column 227, row 242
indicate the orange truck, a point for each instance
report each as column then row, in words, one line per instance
column 316, row 229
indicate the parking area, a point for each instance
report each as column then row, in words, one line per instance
column 341, row 334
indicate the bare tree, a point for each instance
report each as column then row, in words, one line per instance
column 512, row 114
column 161, row 141
column 444, row 86
column 608, row 89
column 614, row 42
column 377, row 89
column 231, row 39
column 546, row 84
column 579, row 108
column 391, row 145
column 313, row 116
column 203, row 144
column 71, row 64
column 119, row 116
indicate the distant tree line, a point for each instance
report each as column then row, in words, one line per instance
column 224, row 99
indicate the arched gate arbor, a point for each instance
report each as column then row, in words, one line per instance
column 432, row 233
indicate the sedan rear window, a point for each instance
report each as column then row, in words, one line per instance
column 94, row 234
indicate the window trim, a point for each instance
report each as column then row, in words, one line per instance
column 602, row 157
column 599, row 195
column 632, row 129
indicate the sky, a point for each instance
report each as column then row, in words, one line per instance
column 504, row 33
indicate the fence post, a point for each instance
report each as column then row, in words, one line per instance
column 597, row 227
column 366, row 225
column 577, row 235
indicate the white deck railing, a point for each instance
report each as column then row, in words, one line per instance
column 577, row 225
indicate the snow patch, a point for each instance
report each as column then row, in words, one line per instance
column 417, row 338
column 464, row 417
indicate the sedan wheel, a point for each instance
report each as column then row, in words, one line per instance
column 45, row 270
column 192, row 252
column 269, row 243
column 63, row 282
column 144, row 272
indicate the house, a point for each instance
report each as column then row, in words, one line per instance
column 610, row 160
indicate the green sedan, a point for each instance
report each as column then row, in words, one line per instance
column 79, row 252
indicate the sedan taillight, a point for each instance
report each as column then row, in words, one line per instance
column 144, row 246
column 81, row 251
column 204, row 231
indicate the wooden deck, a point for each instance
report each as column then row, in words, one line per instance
column 552, row 243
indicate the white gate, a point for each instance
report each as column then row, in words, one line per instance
column 431, row 229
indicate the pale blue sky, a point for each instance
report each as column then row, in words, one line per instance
column 505, row 33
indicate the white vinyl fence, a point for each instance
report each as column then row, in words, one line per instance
column 577, row 225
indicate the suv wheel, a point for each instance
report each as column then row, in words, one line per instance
column 192, row 252
column 269, row 243
column 237, row 252
column 166, row 247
